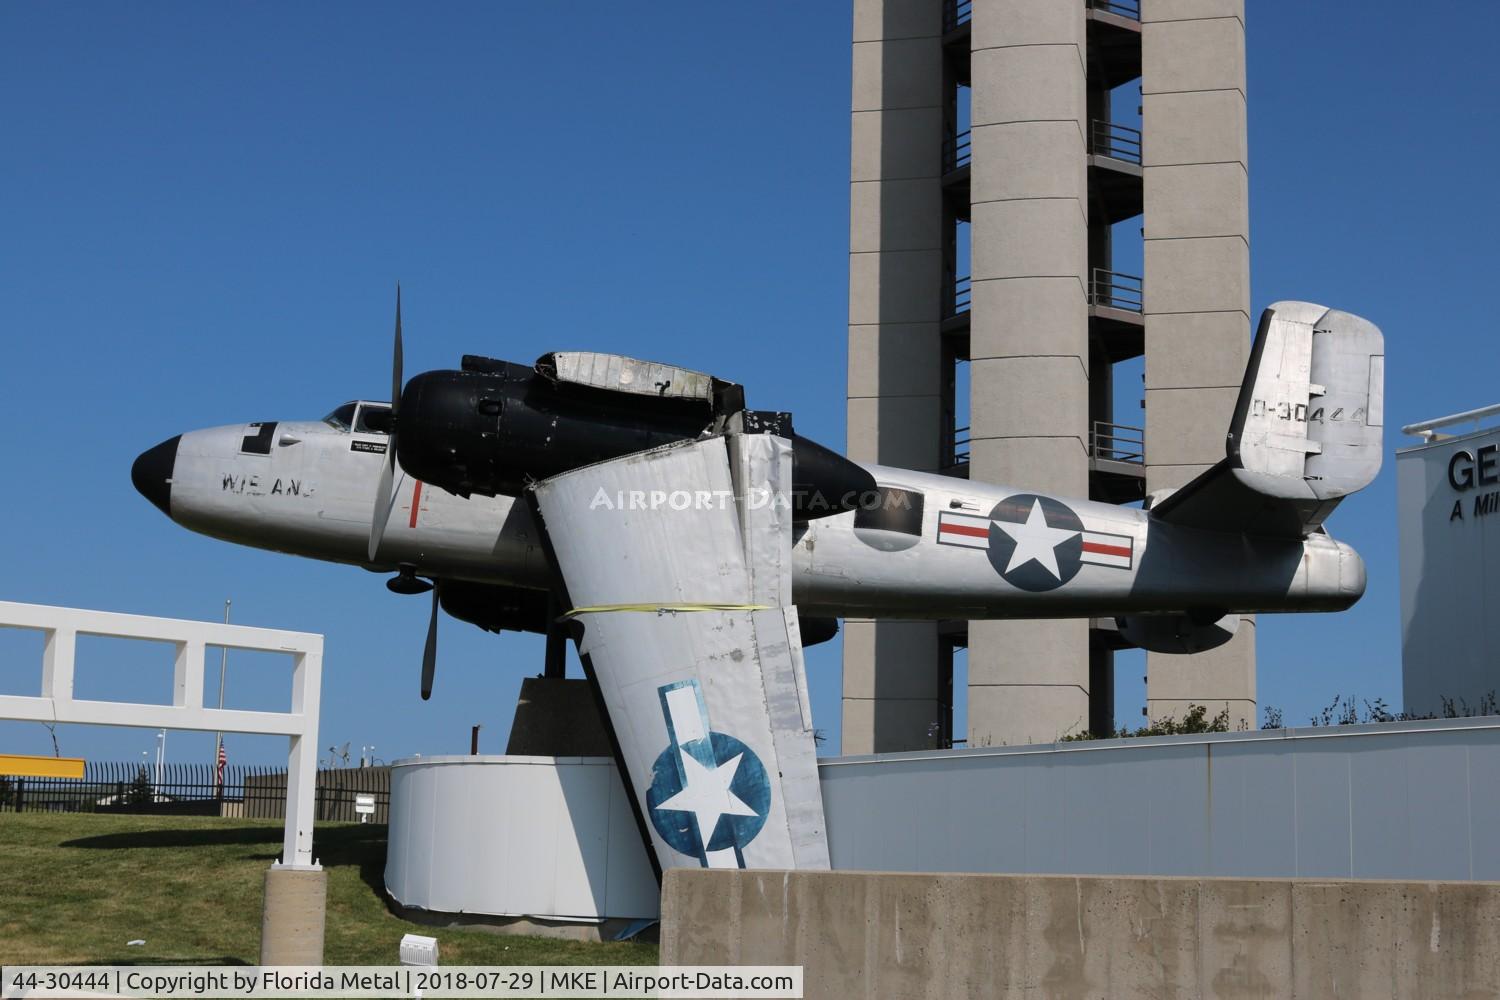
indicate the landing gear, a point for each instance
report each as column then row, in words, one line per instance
column 556, row 663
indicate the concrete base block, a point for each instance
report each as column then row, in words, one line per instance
column 291, row 928
column 870, row 934
column 557, row 717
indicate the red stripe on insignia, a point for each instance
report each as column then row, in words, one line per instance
column 416, row 502
column 965, row 529
column 1100, row 549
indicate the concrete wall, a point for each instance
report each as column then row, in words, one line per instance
column 895, row 305
column 1197, row 290
column 1029, row 369
column 889, row 935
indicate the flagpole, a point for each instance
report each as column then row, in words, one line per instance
column 219, row 736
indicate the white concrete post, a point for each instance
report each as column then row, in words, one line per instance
column 302, row 763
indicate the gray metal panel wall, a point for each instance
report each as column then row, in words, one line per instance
column 1450, row 538
column 1392, row 801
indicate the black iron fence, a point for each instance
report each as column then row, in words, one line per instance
column 193, row 790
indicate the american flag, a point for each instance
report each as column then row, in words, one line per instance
column 223, row 759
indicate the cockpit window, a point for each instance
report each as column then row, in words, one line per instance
column 342, row 418
column 371, row 419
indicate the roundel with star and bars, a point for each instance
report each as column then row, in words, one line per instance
column 1036, row 542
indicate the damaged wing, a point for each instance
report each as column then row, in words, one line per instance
column 676, row 563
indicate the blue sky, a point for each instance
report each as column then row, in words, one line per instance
column 204, row 209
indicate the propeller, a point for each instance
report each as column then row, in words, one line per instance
column 388, row 470
column 429, row 652
column 406, row 581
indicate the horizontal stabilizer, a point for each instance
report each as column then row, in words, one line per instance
column 1306, row 430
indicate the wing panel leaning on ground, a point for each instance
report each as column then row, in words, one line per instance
column 677, row 564
column 1306, row 430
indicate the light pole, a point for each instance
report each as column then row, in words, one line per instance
column 161, row 754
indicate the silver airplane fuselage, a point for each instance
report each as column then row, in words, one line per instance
column 946, row 547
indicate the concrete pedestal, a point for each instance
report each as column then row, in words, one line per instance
column 291, row 927
column 556, row 717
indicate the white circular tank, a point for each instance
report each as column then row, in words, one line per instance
column 551, row 838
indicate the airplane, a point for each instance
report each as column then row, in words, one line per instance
column 876, row 541
column 445, row 486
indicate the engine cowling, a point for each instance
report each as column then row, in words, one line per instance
column 1178, row 633
column 494, row 426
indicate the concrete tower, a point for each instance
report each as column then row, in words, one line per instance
column 989, row 168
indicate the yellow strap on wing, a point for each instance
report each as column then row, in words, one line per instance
column 663, row 608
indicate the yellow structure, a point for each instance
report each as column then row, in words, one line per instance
column 22, row 766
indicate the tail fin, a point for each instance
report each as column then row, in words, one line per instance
column 1306, row 430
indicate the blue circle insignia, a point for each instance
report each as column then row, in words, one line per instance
column 1036, row 542
column 729, row 793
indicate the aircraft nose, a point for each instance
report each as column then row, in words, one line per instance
column 152, row 474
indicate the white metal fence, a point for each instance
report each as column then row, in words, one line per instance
column 61, row 628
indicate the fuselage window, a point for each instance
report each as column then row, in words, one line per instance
column 342, row 418
column 369, row 419
column 891, row 508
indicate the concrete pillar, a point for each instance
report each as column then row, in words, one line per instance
column 291, row 927
column 896, row 242
column 1029, row 375
column 1197, row 290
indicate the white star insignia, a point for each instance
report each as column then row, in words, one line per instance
column 1035, row 540
column 705, row 793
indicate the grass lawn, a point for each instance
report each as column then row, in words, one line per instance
column 75, row 887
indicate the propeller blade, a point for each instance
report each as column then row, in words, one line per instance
column 429, row 653
column 383, row 498
column 382, row 501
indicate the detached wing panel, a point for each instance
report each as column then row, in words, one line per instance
column 1306, row 430
column 677, row 564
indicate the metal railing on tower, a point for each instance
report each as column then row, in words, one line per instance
column 1114, row 290
column 957, row 12
column 1118, row 142
column 1120, row 8
column 1117, row 442
column 956, row 151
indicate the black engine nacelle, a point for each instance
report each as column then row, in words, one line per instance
column 494, row 426
column 497, row 608
column 1193, row 632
